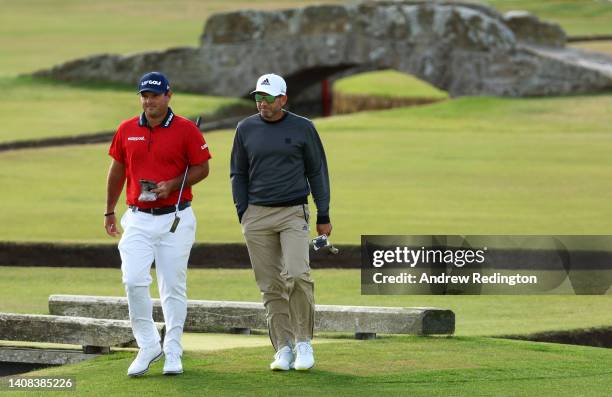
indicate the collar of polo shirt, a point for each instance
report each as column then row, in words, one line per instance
column 142, row 122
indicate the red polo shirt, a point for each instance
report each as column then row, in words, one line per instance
column 157, row 154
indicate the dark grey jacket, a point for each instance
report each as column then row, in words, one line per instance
column 276, row 163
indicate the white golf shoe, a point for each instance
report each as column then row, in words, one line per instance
column 143, row 360
column 304, row 356
column 283, row 359
column 173, row 364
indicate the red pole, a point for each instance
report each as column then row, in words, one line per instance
column 326, row 97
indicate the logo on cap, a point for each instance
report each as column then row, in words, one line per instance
column 151, row 82
column 154, row 82
column 271, row 84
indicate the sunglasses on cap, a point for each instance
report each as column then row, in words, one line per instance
column 267, row 98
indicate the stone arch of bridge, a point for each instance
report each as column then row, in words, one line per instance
column 310, row 89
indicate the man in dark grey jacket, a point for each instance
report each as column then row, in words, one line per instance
column 277, row 161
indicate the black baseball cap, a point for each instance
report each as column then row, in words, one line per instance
column 154, row 82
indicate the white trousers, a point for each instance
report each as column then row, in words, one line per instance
column 147, row 238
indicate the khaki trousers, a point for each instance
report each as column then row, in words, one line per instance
column 278, row 241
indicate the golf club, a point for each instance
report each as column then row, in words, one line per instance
column 177, row 219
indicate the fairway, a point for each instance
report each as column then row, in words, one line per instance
column 468, row 166
column 388, row 366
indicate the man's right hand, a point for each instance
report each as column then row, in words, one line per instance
column 324, row 228
column 110, row 224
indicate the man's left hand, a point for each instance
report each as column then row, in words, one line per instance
column 324, row 228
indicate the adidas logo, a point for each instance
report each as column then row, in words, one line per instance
column 265, row 82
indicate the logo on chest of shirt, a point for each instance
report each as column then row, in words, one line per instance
column 136, row 138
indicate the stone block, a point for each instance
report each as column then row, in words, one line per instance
column 85, row 331
column 203, row 316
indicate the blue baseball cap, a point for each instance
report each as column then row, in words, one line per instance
column 154, row 82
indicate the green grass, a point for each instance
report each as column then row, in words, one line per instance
column 599, row 46
column 387, row 83
column 41, row 108
column 577, row 17
column 26, row 290
column 469, row 166
column 396, row 366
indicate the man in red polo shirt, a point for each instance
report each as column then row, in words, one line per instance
column 153, row 152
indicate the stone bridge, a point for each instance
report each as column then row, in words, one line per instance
column 462, row 48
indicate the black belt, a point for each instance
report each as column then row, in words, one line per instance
column 162, row 210
column 290, row 203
